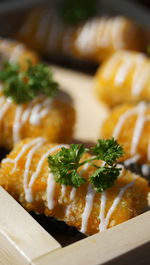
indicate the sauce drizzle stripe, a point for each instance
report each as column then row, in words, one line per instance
column 104, row 221
column 39, row 167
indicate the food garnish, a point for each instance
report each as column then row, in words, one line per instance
column 23, row 86
column 65, row 164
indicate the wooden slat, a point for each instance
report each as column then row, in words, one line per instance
column 129, row 242
column 9, row 255
column 22, row 233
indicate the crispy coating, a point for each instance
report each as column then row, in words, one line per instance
column 17, row 52
column 93, row 40
column 135, row 127
column 124, row 78
column 52, row 119
column 57, row 201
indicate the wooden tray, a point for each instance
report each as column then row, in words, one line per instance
column 23, row 241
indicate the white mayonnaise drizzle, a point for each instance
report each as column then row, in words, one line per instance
column 127, row 62
column 123, row 71
column 16, row 52
column 88, row 208
column 28, row 183
column 103, row 33
column 73, row 194
column 38, row 144
column 63, row 192
column 112, row 62
column 145, row 170
column 71, row 197
column 146, row 167
column 50, row 191
column 104, row 221
column 22, row 152
column 130, row 61
column 141, row 119
column 89, row 199
column 17, row 124
column 35, row 175
column 141, row 75
column 132, row 160
column 73, row 191
column 117, row 27
column 39, row 111
column 34, row 112
column 88, row 202
column 138, row 127
column 122, row 120
column 87, row 35
column 4, row 106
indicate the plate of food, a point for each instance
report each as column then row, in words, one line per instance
column 78, row 157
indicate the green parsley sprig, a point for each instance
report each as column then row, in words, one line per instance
column 24, row 86
column 77, row 11
column 65, row 164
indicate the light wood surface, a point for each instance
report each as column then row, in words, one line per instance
column 90, row 112
column 23, row 241
column 103, row 247
column 22, row 234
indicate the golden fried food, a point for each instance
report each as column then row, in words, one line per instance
column 99, row 38
column 53, row 119
column 130, row 125
column 93, row 40
column 44, row 31
column 26, row 176
column 16, row 52
column 124, row 78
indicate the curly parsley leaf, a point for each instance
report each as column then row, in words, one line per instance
column 65, row 164
column 108, row 150
column 104, row 177
column 24, row 86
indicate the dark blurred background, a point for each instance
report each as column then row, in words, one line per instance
column 13, row 14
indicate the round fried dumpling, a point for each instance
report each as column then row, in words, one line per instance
column 124, row 78
column 17, row 52
column 93, row 40
column 52, row 119
column 98, row 38
column 130, row 125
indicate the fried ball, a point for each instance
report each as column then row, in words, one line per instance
column 53, row 119
column 17, row 52
column 93, row 40
column 124, row 78
column 130, row 125
column 98, row 38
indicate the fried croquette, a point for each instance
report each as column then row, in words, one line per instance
column 25, row 174
column 124, row 78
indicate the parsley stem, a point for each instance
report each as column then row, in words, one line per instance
column 87, row 161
